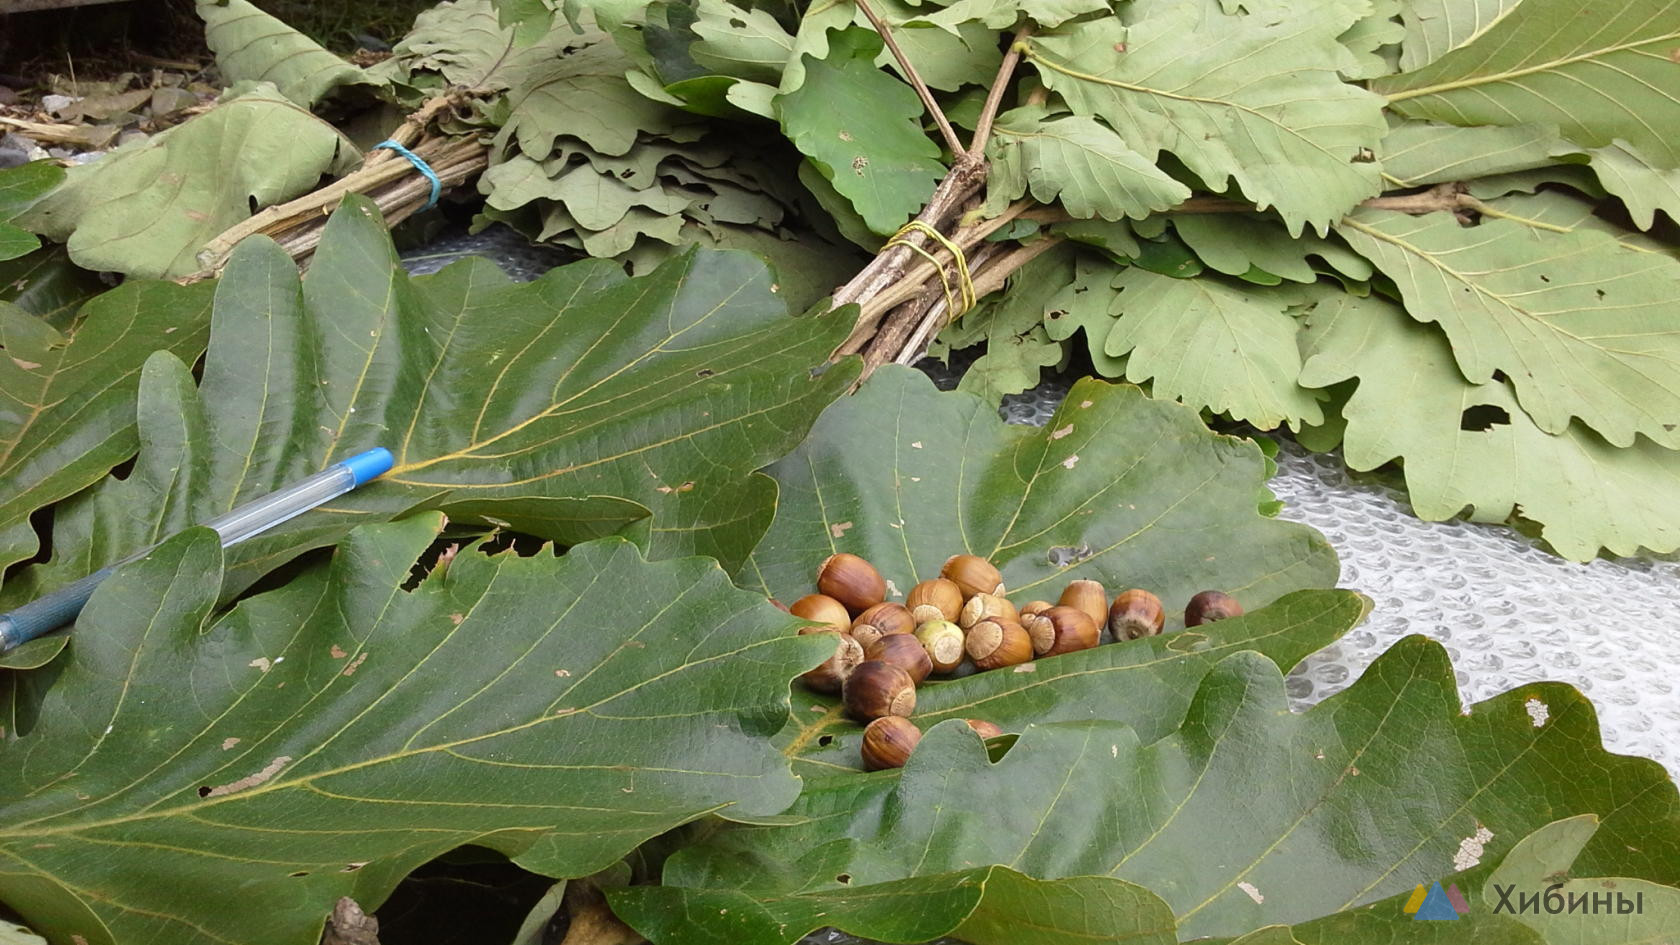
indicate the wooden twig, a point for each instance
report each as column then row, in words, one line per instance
column 914, row 77
column 397, row 189
column 994, row 95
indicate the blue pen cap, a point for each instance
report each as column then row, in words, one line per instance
column 370, row 465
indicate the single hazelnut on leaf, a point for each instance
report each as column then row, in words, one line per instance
column 1032, row 607
column 1087, row 596
column 888, row 742
column 831, row 675
column 994, row 644
column 821, row 608
column 1136, row 613
column 986, row 607
column 943, row 642
column 904, row 651
column 881, row 620
column 852, row 581
column 984, row 728
column 1061, row 630
column 936, row 599
column 973, row 574
column 1209, row 606
column 876, row 688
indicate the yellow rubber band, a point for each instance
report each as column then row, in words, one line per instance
column 965, row 284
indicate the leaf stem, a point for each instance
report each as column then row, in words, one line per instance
column 914, row 77
column 994, row 95
column 1487, row 211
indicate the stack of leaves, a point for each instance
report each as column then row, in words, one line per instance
column 1428, row 233
column 419, row 687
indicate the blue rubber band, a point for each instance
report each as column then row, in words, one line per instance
column 419, row 165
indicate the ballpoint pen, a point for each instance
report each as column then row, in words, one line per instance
column 48, row 613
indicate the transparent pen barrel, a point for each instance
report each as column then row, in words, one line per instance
column 262, row 514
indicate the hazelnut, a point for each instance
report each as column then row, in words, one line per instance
column 1209, row 606
column 904, row 651
column 936, row 599
column 876, row 688
column 1087, row 596
column 1061, row 630
column 993, row 644
column 880, row 620
column 1136, row 613
column 852, row 581
column 986, row 607
column 831, row 675
column 943, row 642
column 888, row 742
column 973, row 575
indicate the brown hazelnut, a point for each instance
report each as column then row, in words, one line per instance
column 936, row 599
column 888, row 742
column 1034, row 607
column 904, row 651
column 876, row 688
column 985, row 607
column 973, row 574
column 1136, row 613
column 1209, row 606
column 993, row 644
column 1061, row 630
column 984, row 728
column 943, row 642
column 852, row 581
column 831, row 675
column 1087, row 596
column 821, row 608
column 880, row 620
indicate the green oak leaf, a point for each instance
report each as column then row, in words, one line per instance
column 1004, row 14
column 1253, row 99
column 1471, row 446
column 744, row 43
column 1580, row 327
column 1644, row 189
column 251, row 45
column 1372, row 39
column 1434, row 28
column 67, row 398
column 575, row 406
column 148, row 208
column 46, row 284
column 1117, row 487
column 582, row 95
column 1541, row 62
column 1245, row 244
column 861, row 128
column 1085, row 302
column 1078, row 159
column 1542, row 862
column 326, row 738
column 1235, row 353
column 20, row 188
column 1416, row 153
column 1147, row 682
column 1011, row 364
column 1385, row 785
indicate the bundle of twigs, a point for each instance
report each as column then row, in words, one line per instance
column 905, row 293
column 389, row 179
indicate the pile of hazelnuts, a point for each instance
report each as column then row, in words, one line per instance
column 884, row 650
